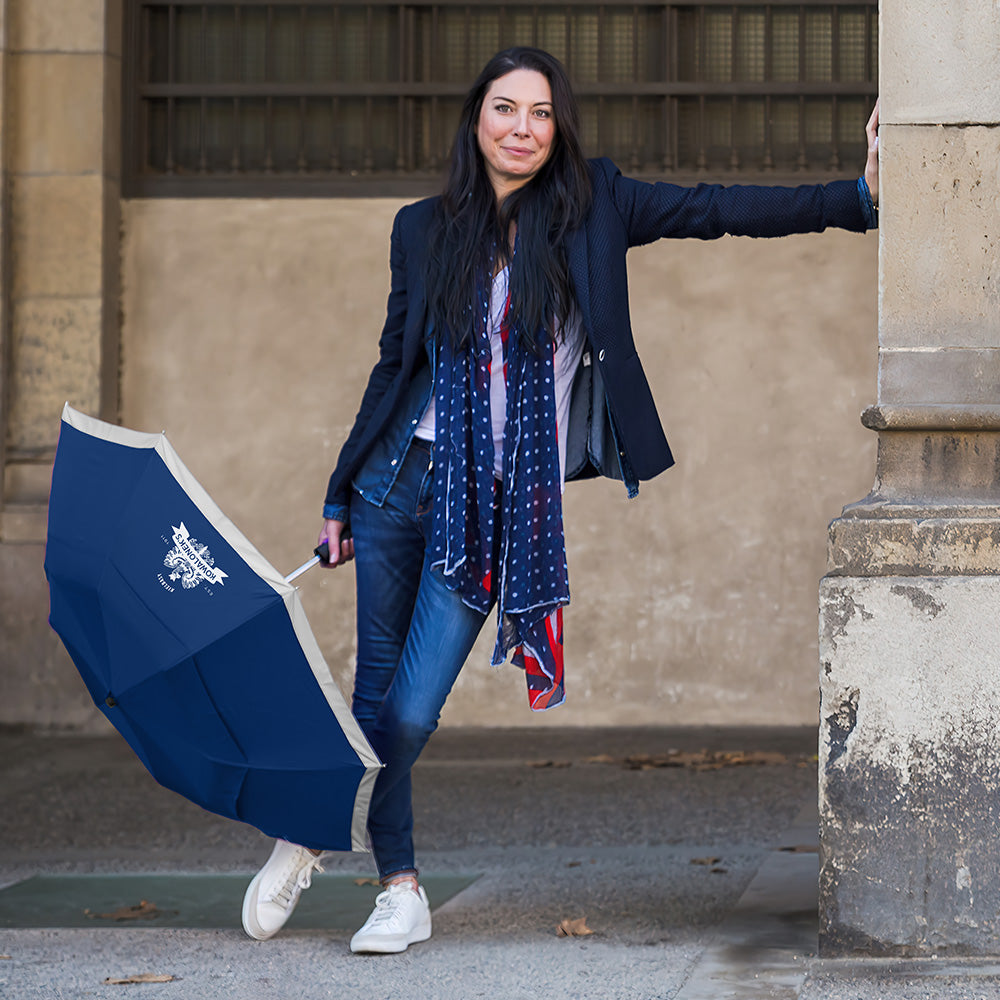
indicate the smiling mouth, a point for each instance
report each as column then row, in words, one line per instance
column 517, row 150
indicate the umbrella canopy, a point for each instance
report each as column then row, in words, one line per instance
column 194, row 646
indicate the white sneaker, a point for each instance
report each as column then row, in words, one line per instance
column 274, row 893
column 401, row 917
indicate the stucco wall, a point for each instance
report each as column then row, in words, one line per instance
column 249, row 331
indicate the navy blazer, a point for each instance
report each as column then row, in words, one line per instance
column 624, row 213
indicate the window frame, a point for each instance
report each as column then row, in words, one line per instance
column 261, row 183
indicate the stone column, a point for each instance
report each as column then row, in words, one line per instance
column 910, row 608
column 59, row 238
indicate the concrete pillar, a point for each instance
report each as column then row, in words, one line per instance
column 910, row 608
column 59, row 246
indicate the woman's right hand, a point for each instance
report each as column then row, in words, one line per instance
column 340, row 551
column 871, row 165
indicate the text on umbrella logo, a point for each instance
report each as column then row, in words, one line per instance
column 190, row 562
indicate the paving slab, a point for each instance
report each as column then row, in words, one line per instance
column 762, row 948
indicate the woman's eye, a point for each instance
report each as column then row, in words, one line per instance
column 543, row 113
column 504, row 108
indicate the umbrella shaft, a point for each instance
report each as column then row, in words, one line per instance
column 298, row 572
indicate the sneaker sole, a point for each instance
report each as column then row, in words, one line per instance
column 386, row 945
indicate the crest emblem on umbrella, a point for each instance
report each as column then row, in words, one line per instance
column 190, row 562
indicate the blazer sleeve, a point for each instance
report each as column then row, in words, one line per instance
column 708, row 211
column 388, row 366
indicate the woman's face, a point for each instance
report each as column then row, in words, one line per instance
column 516, row 129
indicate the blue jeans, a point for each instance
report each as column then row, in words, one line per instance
column 414, row 635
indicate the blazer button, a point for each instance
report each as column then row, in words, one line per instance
column 393, row 462
column 600, row 357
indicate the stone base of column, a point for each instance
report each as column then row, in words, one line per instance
column 910, row 765
column 909, row 756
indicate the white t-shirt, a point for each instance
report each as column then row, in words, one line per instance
column 568, row 351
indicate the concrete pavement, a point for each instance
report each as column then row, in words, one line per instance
column 696, row 883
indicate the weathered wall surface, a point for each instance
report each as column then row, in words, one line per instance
column 250, row 329
column 907, row 772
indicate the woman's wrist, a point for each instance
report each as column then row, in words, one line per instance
column 868, row 207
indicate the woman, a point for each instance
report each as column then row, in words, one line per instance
column 506, row 367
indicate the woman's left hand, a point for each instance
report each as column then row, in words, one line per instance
column 871, row 166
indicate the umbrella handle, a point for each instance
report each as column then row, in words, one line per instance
column 321, row 554
column 323, row 551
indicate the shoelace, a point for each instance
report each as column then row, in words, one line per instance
column 297, row 876
column 387, row 905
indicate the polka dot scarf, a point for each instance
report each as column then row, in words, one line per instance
column 504, row 543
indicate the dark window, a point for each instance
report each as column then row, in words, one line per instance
column 281, row 98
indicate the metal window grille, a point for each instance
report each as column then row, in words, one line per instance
column 269, row 97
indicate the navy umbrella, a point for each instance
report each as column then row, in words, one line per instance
column 194, row 646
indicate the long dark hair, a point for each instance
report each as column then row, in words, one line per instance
column 470, row 232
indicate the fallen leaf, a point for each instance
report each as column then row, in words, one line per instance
column 5, row 958
column 800, row 849
column 551, row 763
column 601, row 758
column 573, row 864
column 573, row 928
column 145, row 910
column 705, row 861
column 142, row 977
column 718, row 871
column 367, row 881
